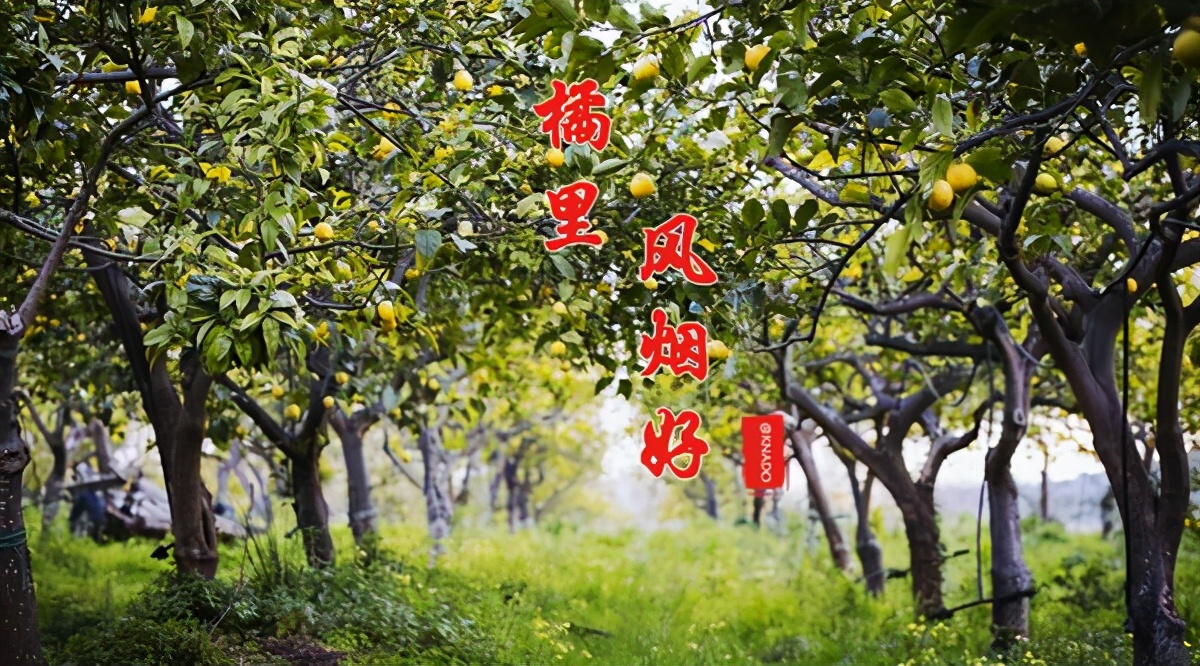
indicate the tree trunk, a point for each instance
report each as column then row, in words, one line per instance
column 52, row 492
column 18, row 605
column 192, row 522
column 178, row 424
column 870, row 553
column 1045, row 498
column 1011, row 579
column 802, row 446
column 312, row 513
column 710, row 495
column 439, row 505
column 358, row 480
column 924, row 549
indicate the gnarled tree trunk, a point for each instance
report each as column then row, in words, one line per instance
column 358, row 481
column 312, row 513
column 18, row 605
column 867, row 547
column 802, row 446
column 439, row 503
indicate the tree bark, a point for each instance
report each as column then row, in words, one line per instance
column 362, row 512
column 52, row 489
column 439, row 504
column 1045, row 496
column 870, row 553
column 710, row 495
column 802, row 446
column 18, row 603
column 179, row 425
column 312, row 513
column 924, row 548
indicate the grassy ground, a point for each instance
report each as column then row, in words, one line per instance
column 707, row 595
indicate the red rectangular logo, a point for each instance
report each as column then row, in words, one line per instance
column 762, row 450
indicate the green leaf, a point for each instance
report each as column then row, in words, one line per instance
column 991, row 164
column 596, row 10
column 565, row 9
column 895, row 248
column 606, row 167
column 564, row 267
column 752, row 212
column 185, row 28
column 897, row 101
column 622, row 20
column 428, row 241
column 781, row 130
column 699, row 68
column 672, row 61
column 943, row 116
column 1150, row 93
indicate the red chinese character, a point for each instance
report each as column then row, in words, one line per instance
column 669, row 245
column 568, row 115
column 570, row 205
column 658, row 453
column 683, row 349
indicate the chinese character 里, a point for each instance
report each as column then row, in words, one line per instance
column 683, row 349
column 669, row 245
column 568, row 116
column 658, row 452
column 570, row 206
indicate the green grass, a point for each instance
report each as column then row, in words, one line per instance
column 706, row 595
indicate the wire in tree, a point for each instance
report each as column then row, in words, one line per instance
column 983, row 485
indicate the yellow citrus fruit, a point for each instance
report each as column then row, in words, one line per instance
column 495, row 91
column 650, row 283
column 292, row 411
column 1131, row 285
column 961, row 177
column 555, row 157
column 328, row 402
column 1045, row 184
column 1187, row 48
column 642, row 185
column 385, row 148
column 1053, row 146
column 434, row 385
column 386, row 311
column 133, row 87
column 341, row 378
column 717, row 350
column 277, row 392
column 1081, row 50
column 463, row 80
column 323, row 231
column 941, row 197
column 412, row 274
column 755, row 55
column 645, row 68
column 557, row 348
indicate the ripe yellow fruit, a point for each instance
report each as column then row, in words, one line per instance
column 1053, row 146
column 557, row 348
column 277, row 392
column 292, row 412
column 717, row 351
column 385, row 148
column 1131, row 285
column 755, row 55
column 412, row 274
column 645, row 68
column 341, row 378
column 650, row 283
column 1187, row 48
column 434, row 385
column 642, row 186
column 941, row 197
column 495, row 91
column 961, row 177
column 386, row 311
column 404, row 455
column 1081, row 50
column 559, row 308
column 1045, row 184
column 323, row 231
column 148, row 15
column 133, row 87
column 328, row 402
column 555, row 157
column 463, row 80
